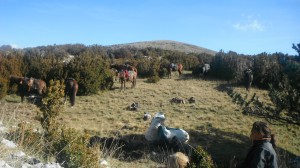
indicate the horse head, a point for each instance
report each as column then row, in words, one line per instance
column 205, row 68
column 113, row 66
column 159, row 132
column 25, row 83
column 157, row 120
column 30, row 84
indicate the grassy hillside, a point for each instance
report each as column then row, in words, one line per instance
column 214, row 121
column 166, row 45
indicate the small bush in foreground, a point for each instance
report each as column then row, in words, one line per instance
column 201, row 159
column 3, row 87
column 72, row 151
column 153, row 79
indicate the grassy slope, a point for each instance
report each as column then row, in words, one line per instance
column 214, row 121
column 166, row 45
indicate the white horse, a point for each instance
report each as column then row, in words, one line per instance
column 159, row 132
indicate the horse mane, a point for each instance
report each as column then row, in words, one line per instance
column 13, row 79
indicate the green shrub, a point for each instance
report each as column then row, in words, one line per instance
column 163, row 72
column 3, row 87
column 72, row 151
column 107, row 79
column 26, row 137
column 201, row 159
column 153, row 79
column 66, row 145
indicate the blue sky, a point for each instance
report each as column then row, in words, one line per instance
column 243, row 26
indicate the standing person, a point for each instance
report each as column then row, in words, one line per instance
column 262, row 153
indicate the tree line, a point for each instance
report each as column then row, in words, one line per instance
column 89, row 65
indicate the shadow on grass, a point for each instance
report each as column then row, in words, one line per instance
column 224, row 146
column 255, row 107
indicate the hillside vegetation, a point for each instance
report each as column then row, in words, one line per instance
column 214, row 121
column 219, row 121
column 166, row 45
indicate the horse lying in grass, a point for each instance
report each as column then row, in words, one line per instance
column 158, row 132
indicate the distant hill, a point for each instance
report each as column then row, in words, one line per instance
column 166, row 45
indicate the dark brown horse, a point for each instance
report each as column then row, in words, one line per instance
column 71, row 90
column 19, row 81
column 174, row 67
column 28, row 86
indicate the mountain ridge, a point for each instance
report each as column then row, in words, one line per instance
column 166, row 45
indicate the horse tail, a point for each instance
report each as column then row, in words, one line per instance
column 135, row 70
column 73, row 94
column 180, row 68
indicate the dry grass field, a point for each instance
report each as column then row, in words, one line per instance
column 214, row 121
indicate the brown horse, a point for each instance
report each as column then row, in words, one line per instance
column 125, row 73
column 71, row 90
column 19, row 81
column 36, row 85
column 125, row 76
column 174, row 67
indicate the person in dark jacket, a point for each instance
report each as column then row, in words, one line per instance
column 262, row 153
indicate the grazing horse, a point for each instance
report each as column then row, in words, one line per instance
column 20, row 81
column 174, row 67
column 36, row 85
column 125, row 73
column 248, row 77
column 125, row 76
column 71, row 88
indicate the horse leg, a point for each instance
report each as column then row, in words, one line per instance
column 22, row 98
column 72, row 98
column 134, row 82
column 122, row 84
column 65, row 97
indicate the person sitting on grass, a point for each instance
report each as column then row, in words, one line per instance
column 261, row 153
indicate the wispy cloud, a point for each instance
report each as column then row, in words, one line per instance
column 250, row 24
